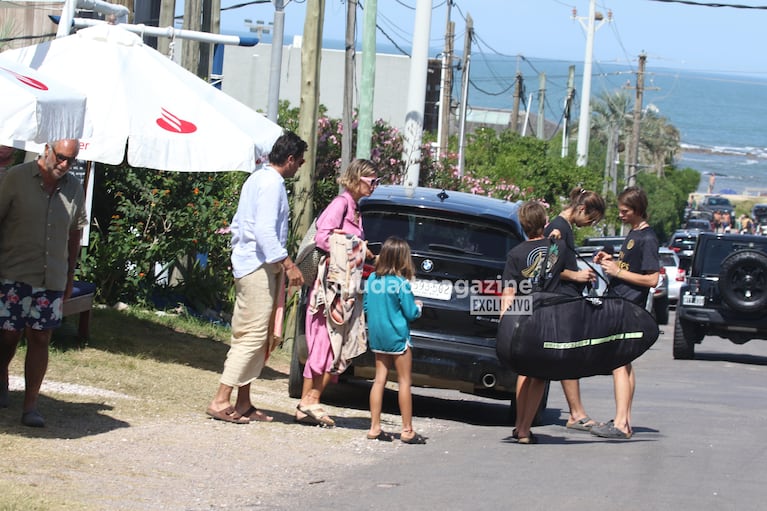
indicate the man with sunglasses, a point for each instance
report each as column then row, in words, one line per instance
column 42, row 214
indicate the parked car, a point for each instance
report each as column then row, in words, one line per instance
column 725, row 293
column 457, row 240
column 759, row 216
column 716, row 203
column 674, row 273
column 657, row 301
column 700, row 224
column 683, row 243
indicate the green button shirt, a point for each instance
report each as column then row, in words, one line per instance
column 35, row 227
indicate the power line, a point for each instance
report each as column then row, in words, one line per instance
column 709, row 4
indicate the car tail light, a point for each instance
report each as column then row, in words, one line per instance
column 680, row 274
column 490, row 287
column 675, row 249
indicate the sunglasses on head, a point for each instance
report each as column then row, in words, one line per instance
column 372, row 181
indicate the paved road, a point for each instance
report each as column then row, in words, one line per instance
column 699, row 444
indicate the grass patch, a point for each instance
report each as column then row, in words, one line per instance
column 165, row 363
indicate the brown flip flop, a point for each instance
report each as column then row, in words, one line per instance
column 227, row 415
column 256, row 415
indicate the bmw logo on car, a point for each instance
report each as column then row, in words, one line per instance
column 427, row 265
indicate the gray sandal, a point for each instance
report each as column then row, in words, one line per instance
column 582, row 424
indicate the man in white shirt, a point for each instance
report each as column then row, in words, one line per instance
column 260, row 262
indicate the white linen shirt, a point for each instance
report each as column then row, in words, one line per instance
column 260, row 226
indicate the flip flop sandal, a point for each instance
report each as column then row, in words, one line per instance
column 608, row 430
column 416, row 439
column 383, row 436
column 256, row 415
column 227, row 415
column 317, row 413
column 582, row 424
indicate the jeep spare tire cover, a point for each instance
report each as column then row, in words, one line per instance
column 574, row 337
column 743, row 281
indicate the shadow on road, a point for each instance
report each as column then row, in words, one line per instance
column 439, row 404
column 735, row 358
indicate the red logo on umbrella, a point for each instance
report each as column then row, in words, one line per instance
column 171, row 122
column 26, row 80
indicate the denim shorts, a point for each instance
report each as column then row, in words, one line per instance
column 22, row 305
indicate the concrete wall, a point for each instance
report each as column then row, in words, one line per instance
column 246, row 78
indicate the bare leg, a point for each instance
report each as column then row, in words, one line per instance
column 221, row 401
column 243, row 404
column 404, row 365
column 529, row 394
column 9, row 340
column 35, row 365
column 623, row 384
column 383, row 363
column 572, row 391
column 313, row 388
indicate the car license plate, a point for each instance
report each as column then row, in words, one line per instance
column 698, row 300
column 436, row 289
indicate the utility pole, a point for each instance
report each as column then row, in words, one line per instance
column 210, row 23
column 368, row 81
column 190, row 57
column 275, row 63
column 311, row 51
column 633, row 149
column 541, row 106
column 416, row 96
column 348, row 106
column 167, row 19
column 568, row 110
column 464, row 93
column 518, row 91
column 584, row 123
column 443, row 129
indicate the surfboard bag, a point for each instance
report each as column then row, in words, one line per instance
column 569, row 337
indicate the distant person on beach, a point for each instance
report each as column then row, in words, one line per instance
column 711, row 182
column 42, row 214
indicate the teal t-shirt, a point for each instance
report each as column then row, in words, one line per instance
column 390, row 307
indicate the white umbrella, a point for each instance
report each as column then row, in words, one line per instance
column 36, row 107
column 169, row 118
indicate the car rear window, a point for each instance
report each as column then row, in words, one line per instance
column 667, row 260
column 718, row 249
column 423, row 233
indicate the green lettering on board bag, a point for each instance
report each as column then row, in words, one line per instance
column 591, row 342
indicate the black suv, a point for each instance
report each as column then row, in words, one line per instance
column 725, row 292
column 459, row 243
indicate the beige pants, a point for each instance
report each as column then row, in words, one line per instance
column 254, row 303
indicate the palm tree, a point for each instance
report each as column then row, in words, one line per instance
column 659, row 140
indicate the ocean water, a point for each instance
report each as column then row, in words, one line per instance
column 722, row 119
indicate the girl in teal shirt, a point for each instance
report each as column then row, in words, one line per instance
column 390, row 306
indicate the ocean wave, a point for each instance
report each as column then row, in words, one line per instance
column 749, row 152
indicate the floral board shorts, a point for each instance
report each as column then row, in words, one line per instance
column 22, row 305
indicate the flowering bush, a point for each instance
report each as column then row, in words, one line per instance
column 163, row 236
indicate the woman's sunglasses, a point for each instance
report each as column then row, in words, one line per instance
column 372, row 181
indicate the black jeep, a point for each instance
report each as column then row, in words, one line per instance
column 725, row 292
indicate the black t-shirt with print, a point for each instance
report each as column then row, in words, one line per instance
column 567, row 287
column 524, row 263
column 639, row 254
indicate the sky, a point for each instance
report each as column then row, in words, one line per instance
column 672, row 35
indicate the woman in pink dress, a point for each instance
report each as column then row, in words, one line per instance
column 343, row 214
